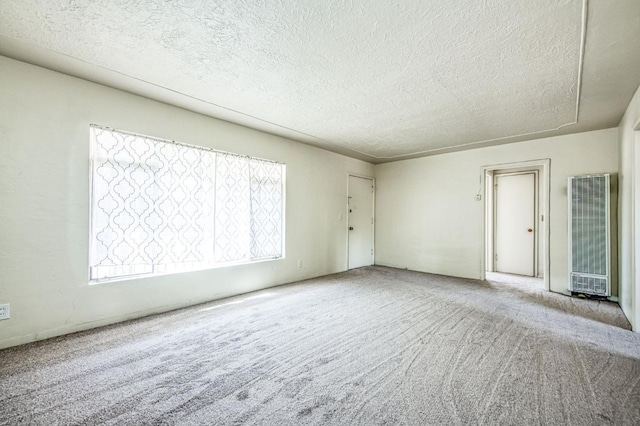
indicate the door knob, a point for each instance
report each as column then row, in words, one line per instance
column 529, row 230
column 351, row 228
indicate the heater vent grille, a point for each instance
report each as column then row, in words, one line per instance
column 586, row 284
column 589, row 234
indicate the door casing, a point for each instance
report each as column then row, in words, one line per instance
column 373, row 202
column 543, row 165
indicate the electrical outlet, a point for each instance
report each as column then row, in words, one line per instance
column 299, row 264
column 4, row 311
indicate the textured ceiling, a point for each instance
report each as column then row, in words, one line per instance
column 376, row 80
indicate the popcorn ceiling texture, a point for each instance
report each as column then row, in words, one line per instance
column 382, row 78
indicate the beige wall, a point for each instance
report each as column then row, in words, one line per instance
column 629, row 216
column 428, row 219
column 44, row 207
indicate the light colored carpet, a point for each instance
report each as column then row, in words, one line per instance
column 528, row 283
column 366, row 347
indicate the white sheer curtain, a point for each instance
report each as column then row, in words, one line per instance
column 232, row 212
column 267, row 213
column 159, row 206
column 152, row 205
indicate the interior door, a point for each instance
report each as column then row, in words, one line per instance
column 360, row 222
column 514, row 243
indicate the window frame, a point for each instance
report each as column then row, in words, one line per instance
column 210, row 265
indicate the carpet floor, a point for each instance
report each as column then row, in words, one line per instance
column 370, row 346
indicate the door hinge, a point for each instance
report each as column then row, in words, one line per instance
column 371, row 252
column 496, row 257
column 372, row 221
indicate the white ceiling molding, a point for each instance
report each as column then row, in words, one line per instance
column 379, row 81
column 487, row 142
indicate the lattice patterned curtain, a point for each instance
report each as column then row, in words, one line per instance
column 159, row 206
column 266, row 209
column 233, row 213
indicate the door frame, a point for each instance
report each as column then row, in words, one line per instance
column 536, row 215
column 635, row 228
column 373, row 215
column 543, row 211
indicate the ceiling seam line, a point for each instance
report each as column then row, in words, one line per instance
column 73, row 58
column 583, row 37
column 583, row 40
column 584, row 16
column 467, row 144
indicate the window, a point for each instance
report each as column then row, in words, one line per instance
column 159, row 206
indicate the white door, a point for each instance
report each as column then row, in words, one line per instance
column 360, row 222
column 514, row 244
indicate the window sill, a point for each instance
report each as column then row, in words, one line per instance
column 160, row 274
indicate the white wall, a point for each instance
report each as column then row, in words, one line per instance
column 44, row 207
column 629, row 216
column 427, row 217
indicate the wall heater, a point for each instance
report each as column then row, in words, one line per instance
column 589, row 235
